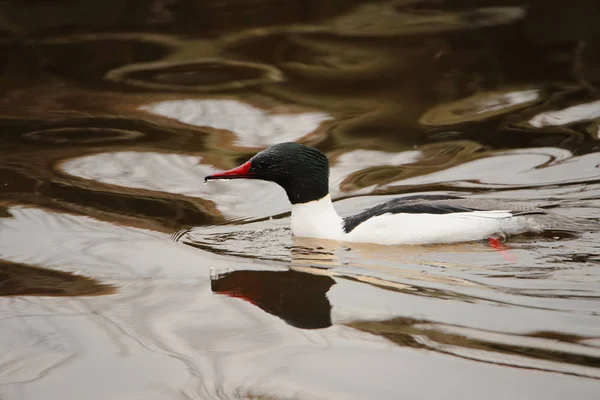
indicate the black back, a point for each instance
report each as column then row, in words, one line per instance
column 420, row 204
column 302, row 171
column 424, row 204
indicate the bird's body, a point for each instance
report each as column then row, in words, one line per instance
column 304, row 174
column 416, row 220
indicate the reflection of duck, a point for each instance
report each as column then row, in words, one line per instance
column 304, row 174
column 301, row 300
column 296, row 297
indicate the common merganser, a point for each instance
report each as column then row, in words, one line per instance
column 303, row 172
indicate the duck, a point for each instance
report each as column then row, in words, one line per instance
column 303, row 172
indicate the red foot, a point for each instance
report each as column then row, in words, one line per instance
column 497, row 245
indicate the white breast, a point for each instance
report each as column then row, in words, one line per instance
column 317, row 219
column 436, row 228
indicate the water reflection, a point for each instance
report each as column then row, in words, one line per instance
column 111, row 115
column 530, row 353
column 25, row 280
column 570, row 115
column 97, row 55
column 296, row 297
column 252, row 126
column 480, row 106
column 178, row 174
column 300, row 299
column 531, row 167
column 72, row 135
column 402, row 18
column 201, row 76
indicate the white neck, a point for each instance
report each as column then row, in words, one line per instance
column 317, row 219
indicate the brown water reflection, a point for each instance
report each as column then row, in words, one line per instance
column 112, row 113
column 24, row 280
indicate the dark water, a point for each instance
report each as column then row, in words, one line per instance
column 122, row 276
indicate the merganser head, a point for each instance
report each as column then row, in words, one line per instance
column 302, row 171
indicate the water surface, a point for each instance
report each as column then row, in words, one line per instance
column 123, row 276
